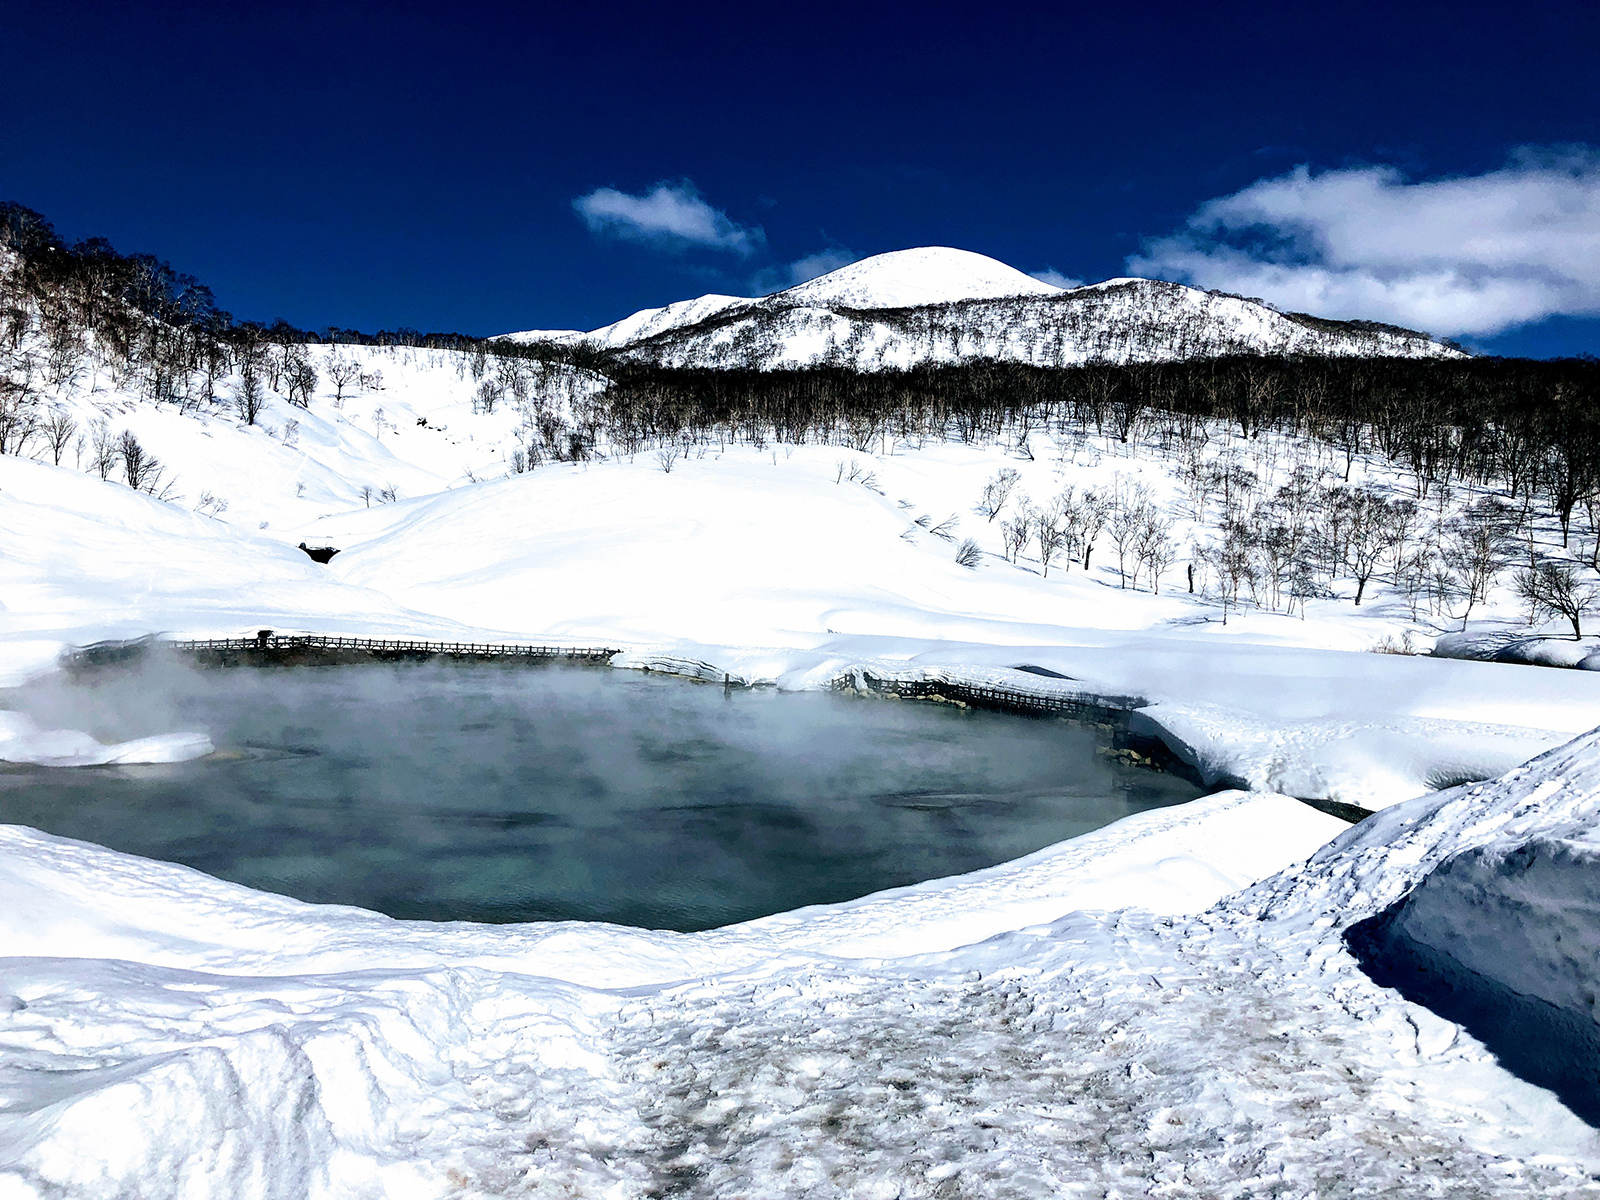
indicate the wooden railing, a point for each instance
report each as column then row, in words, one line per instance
column 1091, row 707
column 1109, row 712
column 269, row 648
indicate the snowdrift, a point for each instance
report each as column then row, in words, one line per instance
column 22, row 741
column 87, row 560
column 1501, row 645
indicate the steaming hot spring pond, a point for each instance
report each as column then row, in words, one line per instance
column 504, row 793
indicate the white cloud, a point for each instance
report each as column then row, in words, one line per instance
column 1055, row 278
column 801, row 270
column 670, row 216
column 1470, row 255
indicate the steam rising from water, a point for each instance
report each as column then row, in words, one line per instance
column 509, row 793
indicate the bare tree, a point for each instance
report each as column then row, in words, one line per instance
column 1083, row 517
column 105, row 449
column 143, row 469
column 1130, row 513
column 1369, row 533
column 969, row 554
column 1017, row 532
column 996, row 492
column 300, row 378
column 18, row 415
column 1403, row 520
column 342, row 373
column 1557, row 589
column 1233, row 561
column 486, row 397
column 58, row 428
column 1155, row 549
column 1052, row 538
column 1477, row 547
column 248, row 397
column 1234, row 481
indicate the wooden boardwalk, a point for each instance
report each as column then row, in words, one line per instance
column 269, row 649
column 1110, row 714
column 1090, row 707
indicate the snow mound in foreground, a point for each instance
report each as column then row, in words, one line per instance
column 1504, row 940
column 927, row 275
column 179, row 1035
column 1483, row 903
column 248, row 1045
column 22, row 741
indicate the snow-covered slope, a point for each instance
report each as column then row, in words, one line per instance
column 85, row 558
column 998, row 1034
column 647, row 323
column 940, row 305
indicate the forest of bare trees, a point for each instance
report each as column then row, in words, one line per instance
column 1480, row 456
column 1481, row 453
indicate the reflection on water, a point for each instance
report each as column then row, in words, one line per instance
column 514, row 794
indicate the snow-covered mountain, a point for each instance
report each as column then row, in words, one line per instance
column 940, row 305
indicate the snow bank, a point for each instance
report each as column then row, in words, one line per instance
column 22, row 741
column 61, row 897
column 193, row 1037
column 24, row 658
column 1498, row 645
column 1365, row 763
column 1173, row 860
column 1504, row 940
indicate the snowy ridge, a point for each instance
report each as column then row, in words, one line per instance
column 911, row 278
column 939, row 305
column 646, row 323
column 1553, row 799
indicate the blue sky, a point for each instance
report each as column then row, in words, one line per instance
column 482, row 167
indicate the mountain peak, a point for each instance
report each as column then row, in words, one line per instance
column 926, row 275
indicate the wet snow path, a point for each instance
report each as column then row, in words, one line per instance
column 1124, row 1055
column 1133, row 1057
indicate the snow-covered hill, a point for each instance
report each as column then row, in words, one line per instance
column 940, row 305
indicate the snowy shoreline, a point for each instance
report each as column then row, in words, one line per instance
column 1365, row 764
